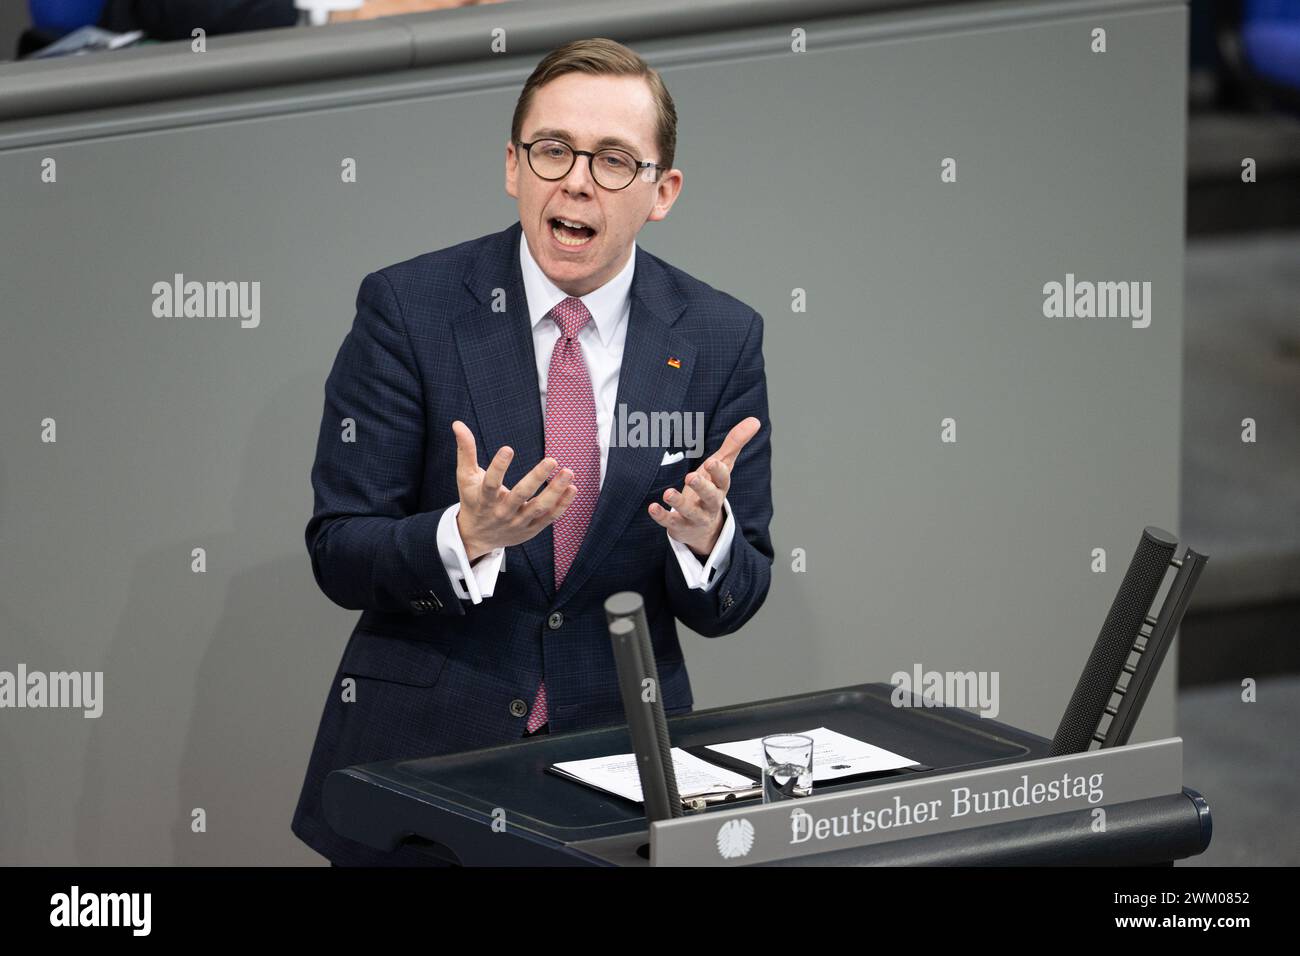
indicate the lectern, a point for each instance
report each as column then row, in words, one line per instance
column 499, row 806
column 982, row 792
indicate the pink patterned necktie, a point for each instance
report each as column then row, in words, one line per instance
column 571, row 440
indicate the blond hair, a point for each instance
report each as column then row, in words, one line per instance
column 603, row 57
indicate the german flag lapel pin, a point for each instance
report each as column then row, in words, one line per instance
column 674, row 362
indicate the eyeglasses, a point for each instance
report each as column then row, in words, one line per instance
column 613, row 169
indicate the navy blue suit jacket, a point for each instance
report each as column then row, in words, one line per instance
column 437, row 674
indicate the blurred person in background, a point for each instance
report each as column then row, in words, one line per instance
column 175, row 19
column 372, row 9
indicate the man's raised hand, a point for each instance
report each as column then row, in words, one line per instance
column 493, row 516
column 698, row 516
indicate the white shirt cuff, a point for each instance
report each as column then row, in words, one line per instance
column 473, row 582
column 703, row 576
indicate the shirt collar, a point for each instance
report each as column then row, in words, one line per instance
column 606, row 304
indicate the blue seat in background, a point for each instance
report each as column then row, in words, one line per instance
column 1270, row 39
column 64, row 16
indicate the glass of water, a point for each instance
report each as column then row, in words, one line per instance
column 787, row 767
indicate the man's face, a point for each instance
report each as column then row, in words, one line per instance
column 581, row 110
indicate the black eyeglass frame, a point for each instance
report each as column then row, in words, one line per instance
column 591, row 160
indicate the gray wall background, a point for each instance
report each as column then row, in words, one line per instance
column 816, row 170
column 14, row 19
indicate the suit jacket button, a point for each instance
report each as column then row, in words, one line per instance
column 555, row 620
column 518, row 708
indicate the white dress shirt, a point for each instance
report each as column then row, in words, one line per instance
column 602, row 347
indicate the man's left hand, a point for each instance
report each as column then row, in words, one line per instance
column 698, row 516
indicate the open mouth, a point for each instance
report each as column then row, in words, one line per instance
column 571, row 232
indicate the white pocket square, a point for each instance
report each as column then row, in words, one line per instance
column 672, row 456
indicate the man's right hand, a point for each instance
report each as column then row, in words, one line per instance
column 493, row 516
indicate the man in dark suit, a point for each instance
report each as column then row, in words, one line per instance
column 482, row 580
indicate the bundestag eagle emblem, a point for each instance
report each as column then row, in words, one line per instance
column 735, row 838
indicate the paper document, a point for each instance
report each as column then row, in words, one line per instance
column 85, row 40
column 618, row 775
column 834, row 755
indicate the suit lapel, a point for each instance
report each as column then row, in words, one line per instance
column 496, row 354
